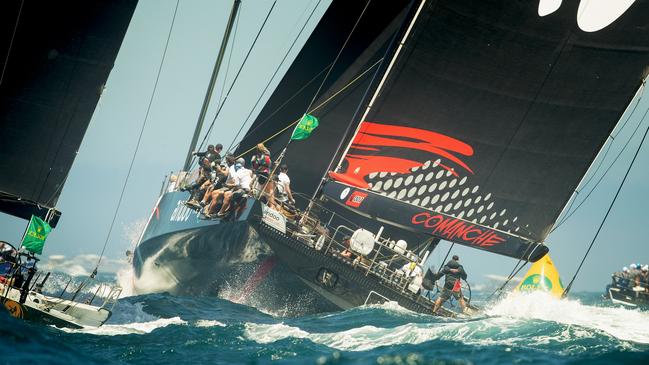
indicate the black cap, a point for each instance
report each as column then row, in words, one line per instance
column 283, row 167
column 218, row 146
column 456, row 257
column 210, row 147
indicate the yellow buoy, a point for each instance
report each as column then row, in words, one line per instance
column 542, row 276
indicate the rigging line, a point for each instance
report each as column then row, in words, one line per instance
column 139, row 139
column 337, row 56
column 11, row 42
column 515, row 269
column 444, row 260
column 227, row 69
column 298, row 92
column 218, row 111
column 326, row 101
column 610, row 207
column 601, row 177
column 273, row 76
column 512, row 275
column 601, row 162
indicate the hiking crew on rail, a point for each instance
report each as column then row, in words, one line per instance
column 223, row 184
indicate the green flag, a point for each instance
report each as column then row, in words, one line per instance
column 304, row 128
column 36, row 234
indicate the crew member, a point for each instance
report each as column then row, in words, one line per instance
column 347, row 252
column 411, row 269
column 454, row 273
column 242, row 180
column 284, row 193
column 261, row 163
column 217, row 194
column 213, row 154
column 642, row 279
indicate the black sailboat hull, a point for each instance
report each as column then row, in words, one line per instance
column 342, row 284
column 181, row 253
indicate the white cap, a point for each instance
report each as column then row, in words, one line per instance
column 625, row 269
column 645, row 268
column 633, row 266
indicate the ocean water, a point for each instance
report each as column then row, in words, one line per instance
column 165, row 329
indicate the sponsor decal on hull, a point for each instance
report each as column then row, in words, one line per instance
column 356, row 199
column 273, row 218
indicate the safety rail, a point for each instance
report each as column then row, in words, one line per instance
column 384, row 262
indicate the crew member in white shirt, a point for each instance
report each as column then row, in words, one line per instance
column 284, row 185
column 241, row 179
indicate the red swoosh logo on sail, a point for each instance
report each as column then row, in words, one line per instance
column 374, row 146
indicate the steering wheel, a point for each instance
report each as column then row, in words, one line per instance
column 466, row 291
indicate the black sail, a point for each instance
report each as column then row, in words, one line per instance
column 56, row 57
column 492, row 114
column 359, row 60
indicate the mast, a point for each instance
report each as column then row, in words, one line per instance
column 210, row 87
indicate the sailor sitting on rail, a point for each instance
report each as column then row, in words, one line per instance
column 242, row 180
column 204, row 176
column 216, row 197
column 220, row 175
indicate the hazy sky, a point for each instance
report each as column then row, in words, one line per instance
column 90, row 196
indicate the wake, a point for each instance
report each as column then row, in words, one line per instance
column 520, row 320
column 621, row 323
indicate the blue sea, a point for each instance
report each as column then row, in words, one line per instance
column 166, row 329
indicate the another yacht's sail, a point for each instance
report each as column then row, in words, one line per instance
column 492, row 113
column 55, row 57
column 359, row 59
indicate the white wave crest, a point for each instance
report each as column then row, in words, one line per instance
column 362, row 338
column 139, row 328
column 208, row 323
column 621, row 323
column 391, row 306
column 514, row 322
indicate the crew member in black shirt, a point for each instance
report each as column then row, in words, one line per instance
column 454, row 273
